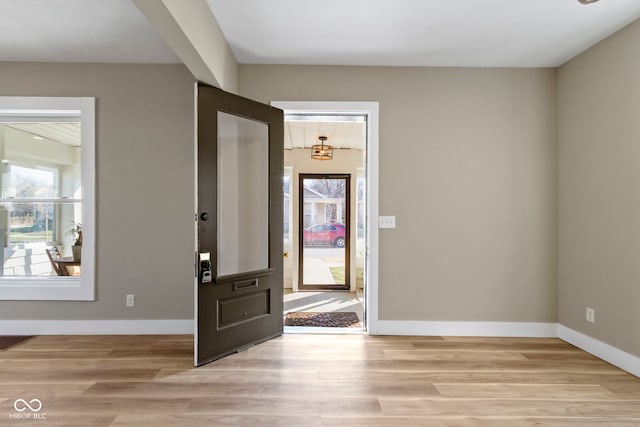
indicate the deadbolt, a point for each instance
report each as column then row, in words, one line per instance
column 204, row 216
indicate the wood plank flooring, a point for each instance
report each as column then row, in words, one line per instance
column 316, row 380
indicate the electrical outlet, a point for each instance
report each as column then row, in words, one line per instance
column 591, row 315
column 131, row 300
column 387, row 222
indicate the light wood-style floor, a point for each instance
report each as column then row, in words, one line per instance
column 314, row 380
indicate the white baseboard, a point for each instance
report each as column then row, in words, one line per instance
column 96, row 327
column 604, row 351
column 475, row 329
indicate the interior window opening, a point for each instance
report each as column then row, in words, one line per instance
column 41, row 198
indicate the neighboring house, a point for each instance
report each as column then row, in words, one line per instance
column 321, row 209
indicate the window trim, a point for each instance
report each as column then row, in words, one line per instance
column 56, row 288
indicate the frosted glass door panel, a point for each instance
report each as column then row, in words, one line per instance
column 243, row 195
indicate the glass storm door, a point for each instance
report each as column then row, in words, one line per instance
column 324, row 231
column 239, row 223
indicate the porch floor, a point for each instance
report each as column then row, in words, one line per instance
column 324, row 301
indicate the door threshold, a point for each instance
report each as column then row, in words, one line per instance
column 323, row 331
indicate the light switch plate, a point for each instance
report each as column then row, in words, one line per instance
column 387, row 221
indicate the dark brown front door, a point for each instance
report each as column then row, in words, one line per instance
column 239, row 217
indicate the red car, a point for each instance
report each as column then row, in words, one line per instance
column 325, row 234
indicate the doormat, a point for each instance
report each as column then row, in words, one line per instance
column 7, row 341
column 334, row 319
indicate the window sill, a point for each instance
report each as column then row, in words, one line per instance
column 46, row 288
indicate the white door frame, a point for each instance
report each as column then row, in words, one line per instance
column 370, row 109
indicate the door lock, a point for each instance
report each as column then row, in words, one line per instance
column 205, row 267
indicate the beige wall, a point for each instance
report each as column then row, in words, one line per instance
column 144, row 175
column 599, row 190
column 468, row 166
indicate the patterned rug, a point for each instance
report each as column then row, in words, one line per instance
column 334, row 319
column 7, row 341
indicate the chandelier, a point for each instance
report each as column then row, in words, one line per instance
column 322, row 151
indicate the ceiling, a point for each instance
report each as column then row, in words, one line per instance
column 479, row 33
column 340, row 134
column 66, row 133
column 463, row 33
column 79, row 31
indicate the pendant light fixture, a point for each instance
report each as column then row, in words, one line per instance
column 587, row 1
column 322, row 151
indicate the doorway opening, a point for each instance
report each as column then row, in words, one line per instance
column 325, row 226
